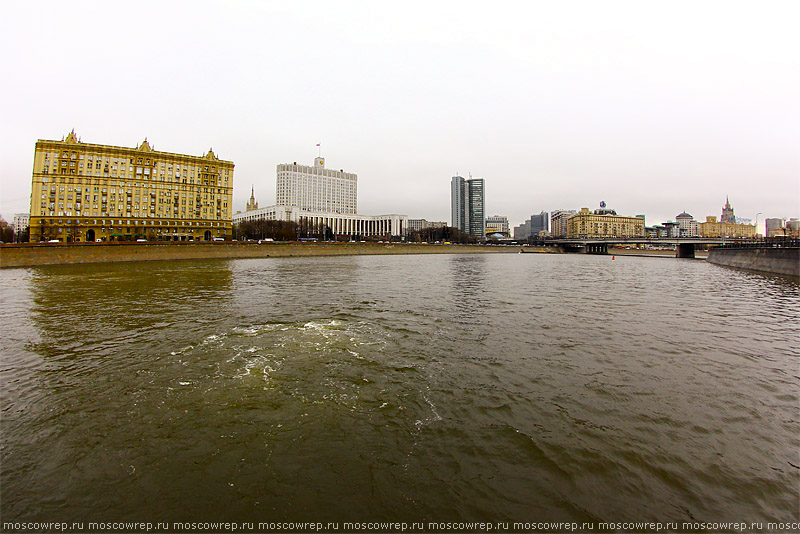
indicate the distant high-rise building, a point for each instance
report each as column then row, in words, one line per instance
column 774, row 227
column 727, row 213
column 523, row 231
column 688, row 226
column 533, row 227
column 467, row 203
column 793, row 227
column 558, row 222
column 539, row 223
column 458, row 210
column 316, row 189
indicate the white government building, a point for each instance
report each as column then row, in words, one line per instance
column 319, row 196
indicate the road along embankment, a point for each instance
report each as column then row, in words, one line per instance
column 785, row 261
column 29, row 255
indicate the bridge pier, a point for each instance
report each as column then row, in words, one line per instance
column 684, row 250
column 596, row 248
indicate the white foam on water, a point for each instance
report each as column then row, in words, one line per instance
column 214, row 337
column 432, row 418
column 181, row 351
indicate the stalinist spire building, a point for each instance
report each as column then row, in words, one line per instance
column 727, row 213
column 252, row 204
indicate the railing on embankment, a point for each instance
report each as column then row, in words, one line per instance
column 771, row 255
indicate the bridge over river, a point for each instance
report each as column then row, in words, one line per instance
column 684, row 246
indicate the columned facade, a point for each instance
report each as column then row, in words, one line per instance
column 391, row 225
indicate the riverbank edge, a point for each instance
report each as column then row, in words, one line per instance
column 782, row 261
column 29, row 255
column 640, row 253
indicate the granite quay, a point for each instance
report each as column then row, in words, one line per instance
column 28, row 255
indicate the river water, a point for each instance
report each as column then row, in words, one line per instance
column 433, row 387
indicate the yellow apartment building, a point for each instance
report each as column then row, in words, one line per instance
column 90, row 192
column 713, row 228
column 603, row 223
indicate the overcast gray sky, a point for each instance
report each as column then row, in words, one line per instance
column 654, row 107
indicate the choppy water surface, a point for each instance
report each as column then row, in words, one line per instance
column 497, row 387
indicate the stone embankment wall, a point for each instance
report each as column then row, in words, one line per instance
column 28, row 255
column 784, row 261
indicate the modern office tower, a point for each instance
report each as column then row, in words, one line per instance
column 558, row 222
column 539, row 224
column 774, row 227
column 458, row 212
column 86, row 192
column 467, row 203
column 316, row 189
column 523, row 231
column 604, row 222
column 497, row 224
column 727, row 213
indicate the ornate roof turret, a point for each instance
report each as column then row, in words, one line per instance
column 145, row 146
column 71, row 137
column 252, row 204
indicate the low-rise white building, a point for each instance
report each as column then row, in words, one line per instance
column 340, row 224
column 416, row 225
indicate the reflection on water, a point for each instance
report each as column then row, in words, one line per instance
column 468, row 284
column 400, row 388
